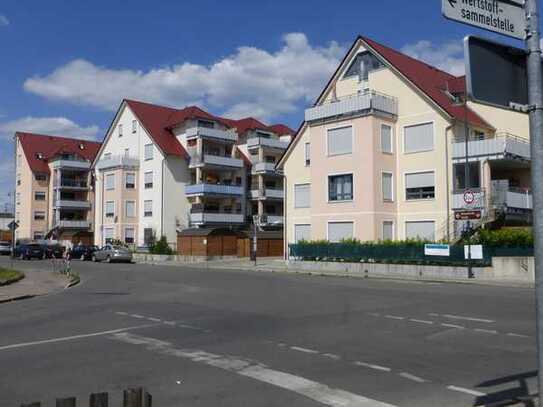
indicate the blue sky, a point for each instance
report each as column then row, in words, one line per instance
column 67, row 64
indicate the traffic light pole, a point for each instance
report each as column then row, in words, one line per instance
column 535, row 100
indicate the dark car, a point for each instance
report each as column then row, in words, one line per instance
column 83, row 252
column 53, row 251
column 29, row 251
column 5, row 247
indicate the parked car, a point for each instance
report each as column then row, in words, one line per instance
column 111, row 253
column 29, row 251
column 55, row 251
column 5, row 248
column 83, row 252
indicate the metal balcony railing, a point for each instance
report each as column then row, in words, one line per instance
column 72, row 164
column 501, row 197
column 71, row 183
column 504, row 145
column 215, row 161
column 117, row 161
column 255, row 142
column 214, row 189
column 72, row 204
column 272, row 220
column 208, row 217
column 221, row 135
column 268, row 193
column 73, row 224
column 264, row 168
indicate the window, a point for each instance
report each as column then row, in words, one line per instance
column 424, row 230
column 18, row 198
column 420, row 185
column 19, row 178
column 388, row 230
column 307, row 154
column 302, row 196
column 340, row 187
column 192, row 143
column 148, row 151
column 130, row 180
column 386, row 139
column 110, row 209
column 107, row 156
column 362, row 65
column 302, row 232
column 39, row 215
column 19, row 160
column 108, row 235
column 130, row 209
column 127, row 152
column 38, row 235
column 120, row 130
column 40, row 177
column 148, row 236
column 460, row 175
column 39, row 196
column 129, row 235
column 418, row 138
column 134, row 126
column 110, row 182
column 338, row 231
column 386, row 186
column 206, row 123
column 340, row 141
column 148, row 208
column 148, row 180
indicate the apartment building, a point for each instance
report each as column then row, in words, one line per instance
column 54, row 187
column 162, row 170
column 381, row 154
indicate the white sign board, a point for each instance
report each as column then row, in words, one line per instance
column 437, row 250
column 498, row 16
column 476, row 252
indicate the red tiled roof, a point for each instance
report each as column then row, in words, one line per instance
column 191, row 112
column 282, row 130
column 456, row 86
column 428, row 79
column 244, row 125
column 50, row 146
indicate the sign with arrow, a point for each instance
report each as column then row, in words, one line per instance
column 506, row 17
column 13, row 225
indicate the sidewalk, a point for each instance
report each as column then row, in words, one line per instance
column 35, row 283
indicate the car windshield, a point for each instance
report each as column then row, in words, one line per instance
column 34, row 246
column 5, row 244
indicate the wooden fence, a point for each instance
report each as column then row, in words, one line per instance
column 137, row 397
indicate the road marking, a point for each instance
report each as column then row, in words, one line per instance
column 172, row 323
column 154, row 319
column 487, row 321
column 305, row 350
column 453, row 326
column 517, row 335
column 121, row 313
column 297, row 384
column 374, row 314
column 467, row 391
column 413, row 377
column 393, row 317
column 73, row 337
column 331, row 356
column 137, row 316
column 486, row 331
column 282, row 345
column 372, row 366
column 421, row 321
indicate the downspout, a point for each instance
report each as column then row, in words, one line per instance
column 162, row 199
column 285, row 225
column 102, row 209
column 447, row 130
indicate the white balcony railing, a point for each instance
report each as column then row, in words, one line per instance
column 71, row 183
column 117, row 161
column 213, row 189
column 263, row 168
column 73, row 224
column 72, row 204
column 273, row 219
column 268, row 193
column 255, row 142
column 353, row 104
column 202, row 218
column 73, row 164
column 500, row 198
column 478, row 203
column 216, row 161
column 222, row 135
column 499, row 147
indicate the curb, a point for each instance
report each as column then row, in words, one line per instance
column 13, row 280
column 21, row 297
column 75, row 280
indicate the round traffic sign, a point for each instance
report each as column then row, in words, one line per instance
column 469, row 197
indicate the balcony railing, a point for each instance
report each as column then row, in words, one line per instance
column 213, row 189
column 272, row 220
column 478, row 203
column 367, row 101
column 117, row 161
column 71, row 183
column 500, row 198
column 500, row 147
column 255, row 142
column 268, row 193
column 221, row 135
column 215, row 161
column 72, row 204
column 73, row 164
column 73, row 224
column 207, row 217
column 259, row 168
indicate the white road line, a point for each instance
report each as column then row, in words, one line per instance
column 486, row 331
column 467, row 391
column 319, row 392
column 172, row 323
column 488, row 321
column 393, row 317
column 372, row 366
column 121, row 313
column 305, row 350
column 282, row 345
column 517, row 335
column 154, row 319
column 137, row 316
column 374, row 314
column 421, row 321
column 331, row 356
column 73, row 337
column 413, row 377
column 453, row 326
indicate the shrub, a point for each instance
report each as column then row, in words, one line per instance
column 505, row 238
column 161, row 247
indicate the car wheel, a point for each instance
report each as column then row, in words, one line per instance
column 82, row 258
column 94, row 259
column 21, row 256
column 108, row 259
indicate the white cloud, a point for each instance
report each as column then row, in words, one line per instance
column 448, row 56
column 251, row 81
column 59, row 126
column 3, row 20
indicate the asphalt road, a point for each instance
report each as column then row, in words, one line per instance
column 228, row 338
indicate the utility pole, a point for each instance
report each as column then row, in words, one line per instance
column 535, row 101
column 466, row 176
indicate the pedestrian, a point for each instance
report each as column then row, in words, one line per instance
column 67, row 260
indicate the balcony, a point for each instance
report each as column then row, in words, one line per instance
column 264, row 168
column 212, row 217
column 67, row 183
column 478, row 203
column 268, row 194
column 502, row 146
column 71, row 164
column 120, row 161
column 501, row 198
column 72, row 204
column 256, row 142
column 213, row 189
column 366, row 102
column 215, row 134
column 271, row 220
column 215, row 161
column 73, row 224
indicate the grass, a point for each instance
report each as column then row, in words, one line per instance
column 9, row 276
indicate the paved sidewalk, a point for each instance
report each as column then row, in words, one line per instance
column 35, row 283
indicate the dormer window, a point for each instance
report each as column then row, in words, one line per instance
column 81, row 146
column 263, row 135
column 208, row 124
column 362, row 65
column 39, row 156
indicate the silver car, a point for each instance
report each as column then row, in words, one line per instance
column 5, row 248
column 111, row 253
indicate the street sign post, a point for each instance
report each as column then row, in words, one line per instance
column 503, row 17
column 468, row 215
column 469, row 197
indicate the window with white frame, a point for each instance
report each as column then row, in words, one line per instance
column 109, row 209
column 148, row 152
column 386, row 139
column 120, row 129
column 387, row 186
column 18, row 178
column 148, row 179
column 108, row 235
column 338, row 231
column 420, row 185
column 302, row 232
column 130, row 180
column 148, row 208
column 39, row 196
column 388, row 230
column 134, row 126
column 302, row 196
column 419, row 137
column 424, row 230
column 129, row 235
column 110, row 182
column 130, row 209
column 340, row 140
column 340, row 187
column 307, row 154
column 39, row 215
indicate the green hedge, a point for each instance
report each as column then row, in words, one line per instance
column 504, row 238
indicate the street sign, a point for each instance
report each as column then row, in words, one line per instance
column 496, row 74
column 469, row 197
column 467, row 215
column 13, row 225
column 437, row 250
column 507, row 18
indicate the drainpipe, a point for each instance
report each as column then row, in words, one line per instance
column 162, row 200
column 447, row 130
column 285, row 234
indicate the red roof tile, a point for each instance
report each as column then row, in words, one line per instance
column 249, row 123
column 282, row 130
column 50, row 146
